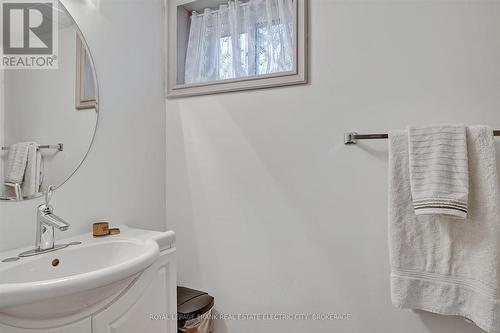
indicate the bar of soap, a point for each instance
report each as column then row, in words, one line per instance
column 100, row 229
column 114, row 231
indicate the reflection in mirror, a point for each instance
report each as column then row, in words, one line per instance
column 85, row 80
column 44, row 134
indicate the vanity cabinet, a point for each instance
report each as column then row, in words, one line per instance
column 144, row 308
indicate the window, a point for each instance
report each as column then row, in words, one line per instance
column 225, row 46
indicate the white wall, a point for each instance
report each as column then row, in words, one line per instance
column 123, row 178
column 273, row 213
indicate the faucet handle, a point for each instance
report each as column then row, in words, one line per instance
column 48, row 194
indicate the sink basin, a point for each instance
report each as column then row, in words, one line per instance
column 68, row 281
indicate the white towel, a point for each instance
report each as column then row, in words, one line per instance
column 16, row 162
column 439, row 171
column 31, row 183
column 438, row 265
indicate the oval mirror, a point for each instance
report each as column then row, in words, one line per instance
column 48, row 99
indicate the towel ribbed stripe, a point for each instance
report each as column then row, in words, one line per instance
column 430, row 202
column 440, row 204
column 445, row 164
column 439, row 186
column 442, row 207
column 457, row 202
column 421, row 158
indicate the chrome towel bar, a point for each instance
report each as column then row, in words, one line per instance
column 351, row 138
column 58, row 146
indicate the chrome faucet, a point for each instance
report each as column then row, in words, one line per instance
column 46, row 221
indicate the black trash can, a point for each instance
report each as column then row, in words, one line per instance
column 194, row 310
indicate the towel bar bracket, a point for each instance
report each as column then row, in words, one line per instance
column 351, row 138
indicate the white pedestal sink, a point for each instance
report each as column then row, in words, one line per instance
column 79, row 278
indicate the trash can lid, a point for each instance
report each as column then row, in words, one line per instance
column 192, row 303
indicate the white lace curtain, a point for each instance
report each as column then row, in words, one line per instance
column 240, row 39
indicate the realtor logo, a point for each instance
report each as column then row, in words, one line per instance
column 29, row 34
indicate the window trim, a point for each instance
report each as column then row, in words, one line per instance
column 297, row 76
